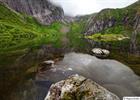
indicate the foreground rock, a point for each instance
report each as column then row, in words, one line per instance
column 79, row 88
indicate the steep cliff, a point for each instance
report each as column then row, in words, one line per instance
column 44, row 11
column 135, row 41
column 123, row 21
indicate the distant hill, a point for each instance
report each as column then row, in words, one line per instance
column 125, row 21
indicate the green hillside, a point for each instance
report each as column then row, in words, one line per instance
column 20, row 31
column 124, row 20
column 21, row 37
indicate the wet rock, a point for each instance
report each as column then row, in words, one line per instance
column 98, row 52
column 49, row 52
column 79, row 88
column 46, row 65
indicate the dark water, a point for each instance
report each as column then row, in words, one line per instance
column 111, row 74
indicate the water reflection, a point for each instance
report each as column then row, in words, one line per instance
column 111, row 74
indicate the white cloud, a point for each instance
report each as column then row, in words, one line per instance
column 82, row 7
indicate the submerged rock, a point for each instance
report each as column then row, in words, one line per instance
column 79, row 88
column 46, row 65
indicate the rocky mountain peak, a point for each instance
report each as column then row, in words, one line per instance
column 43, row 10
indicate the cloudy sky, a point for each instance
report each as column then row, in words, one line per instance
column 82, row 7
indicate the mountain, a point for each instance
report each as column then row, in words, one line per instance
column 23, row 41
column 44, row 11
column 29, row 27
column 21, row 31
column 125, row 21
column 111, row 28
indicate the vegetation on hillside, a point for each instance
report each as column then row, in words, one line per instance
column 107, row 37
column 75, row 37
column 21, row 31
column 124, row 20
column 18, row 32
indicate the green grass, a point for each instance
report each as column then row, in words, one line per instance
column 106, row 37
column 74, row 34
column 75, row 37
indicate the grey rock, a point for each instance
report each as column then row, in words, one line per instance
column 134, row 46
column 98, row 52
column 79, row 88
column 97, row 25
column 43, row 10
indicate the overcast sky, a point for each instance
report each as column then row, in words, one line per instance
column 82, row 7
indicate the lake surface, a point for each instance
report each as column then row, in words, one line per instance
column 19, row 83
column 111, row 74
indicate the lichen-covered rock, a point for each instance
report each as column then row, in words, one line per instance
column 79, row 88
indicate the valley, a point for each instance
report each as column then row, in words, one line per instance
column 29, row 36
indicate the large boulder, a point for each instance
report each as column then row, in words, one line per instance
column 79, row 88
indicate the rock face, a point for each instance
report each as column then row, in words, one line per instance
column 79, row 88
column 44, row 11
column 134, row 46
column 97, row 24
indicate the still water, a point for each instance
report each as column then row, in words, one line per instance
column 111, row 74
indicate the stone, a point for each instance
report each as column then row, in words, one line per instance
column 98, row 52
column 79, row 88
column 106, row 52
column 46, row 65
